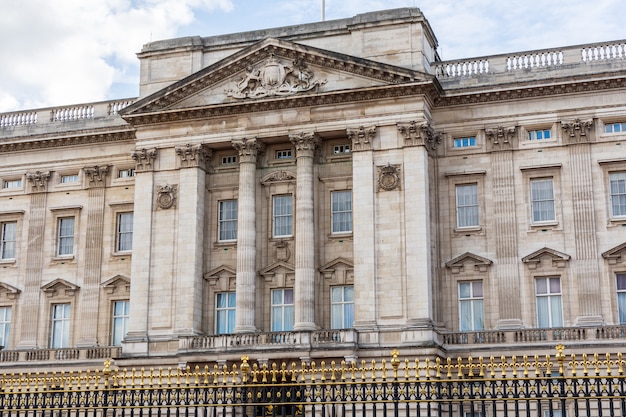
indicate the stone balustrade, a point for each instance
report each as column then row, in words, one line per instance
column 68, row 354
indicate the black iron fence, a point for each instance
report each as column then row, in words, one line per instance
column 549, row 386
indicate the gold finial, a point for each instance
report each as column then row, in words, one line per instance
column 395, row 363
column 107, row 368
column 560, row 357
column 245, row 367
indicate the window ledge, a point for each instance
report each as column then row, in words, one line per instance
column 225, row 244
column 540, row 227
column 286, row 161
column 467, row 231
column 8, row 261
column 118, row 255
column 279, row 238
column 617, row 222
column 63, row 259
column 340, row 236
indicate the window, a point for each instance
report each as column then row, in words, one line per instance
column 471, row 310
column 621, row 297
column 65, row 236
column 126, row 173
column 549, row 304
column 342, row 307
column 60, row 332
column 225, row 303
column 227, row 222
column 465, row 142
column 283, row 154
column 12, row 184
column 282, row 310
column 8, row 240
column 555, row 413
column 617, row 184
column 542, row 200
column 467, row 205
column 615, row 127
column 539, row 134
column 120, row 321
column 5, row 326
column 229, row 160
column 341, row 211
column 339, row 149
column 283, row 215
column 66, row 179
column 124, row 232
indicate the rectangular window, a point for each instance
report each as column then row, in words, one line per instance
column 542, row 200
column 124, row 232
column 225, row 304
column 342, row 307
column 339, row 149
column 66, row 179
column 621, row 297
column 465, row 142
column 539, row 134
column 12, row 184
column 229, row 160
column 615, row 127
column 471, row 306
column 341, row 211
column 119, row 329
column 617, row 184
column 8, row 240
column 283, row 154
column 283, row 215
column 549, row 304
column 5, row 326
column 282, row 310
column 227, row 222
column 60, row 332
column 467, row 205
column 126, row 173
column 65, row 236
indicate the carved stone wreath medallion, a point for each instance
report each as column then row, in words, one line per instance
column 388, row 177
column 166, row 196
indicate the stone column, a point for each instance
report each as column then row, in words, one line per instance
column 34, row 260
column 304, row 291
column 136, row 340
column 363, row 224
column 248, row 150
column 193, row 160
column 88, row 335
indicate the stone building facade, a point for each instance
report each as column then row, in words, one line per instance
column 331, row 190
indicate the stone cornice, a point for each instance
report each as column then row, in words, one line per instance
column 72, row 139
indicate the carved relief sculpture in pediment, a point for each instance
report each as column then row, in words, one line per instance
column 419, row 134
column 577, row 130
column 144, row 159
column 388, row 177
column 278, row 176
column 275, row 78
column 38, row 180
column 501, row 137
column 361, row 137
column 97, row 175
column 166, row 196
column 197, row 155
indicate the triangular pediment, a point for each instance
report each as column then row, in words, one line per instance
column 277, row 267
column 111, row 285
column 224, row 275
column 9, row 291
column 61, row 287
column 268, row 70
column 615, row 255
column 546, row 257
column 466, row 261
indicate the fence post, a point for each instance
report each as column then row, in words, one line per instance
column 395, row 363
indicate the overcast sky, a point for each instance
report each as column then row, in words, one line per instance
column 58, row 52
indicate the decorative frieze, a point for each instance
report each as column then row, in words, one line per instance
column 361, row 138
column 388, row 177
column 501, row 138
column 166, row 196
column 278, row 176
column 305, row 143
column 197, row 155
column 144, row 159
column 248, row 149
column 38, row 180
column 419, row 134
column 97, row 175
column 275, row 78
column 577, row 130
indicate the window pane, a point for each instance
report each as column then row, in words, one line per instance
column 282, row 211
column 60, row 326
column 341, row 211
column 282, row 310
column 225, row 312
column 125, row 231
column 9, row 237
column 467, row 205
column 5, row 326
column 227, row 220
column 542, row 200
column 618, row 193
column 66, row 236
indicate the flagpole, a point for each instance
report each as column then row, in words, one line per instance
column 323, row 9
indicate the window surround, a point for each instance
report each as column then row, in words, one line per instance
column 119, row 233
column 525, row 132
column 223, row 221
column 290, row 215
column 609, row 127
column 548, row 295
column 538, row 172
column 612, row 166
column 125, row 317
column 339, row 212
column 226, row 309
column 13, row 216
column 218, row 159
column 466, row 178
column 329, row 150
column 66, row 174
column 13, row 184
column 117, row 208
column 122, row 173
column 219, row 194
column 272, row 154
column 59, row 213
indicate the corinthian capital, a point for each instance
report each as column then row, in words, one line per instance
column 501, row 137
column 193, row 155
column 305, row 143
column 577, row 130
column 97, row 175
column 248, row 149
column 38, row 180
column 362, row 137
column 419, row 134
column 144, row 159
